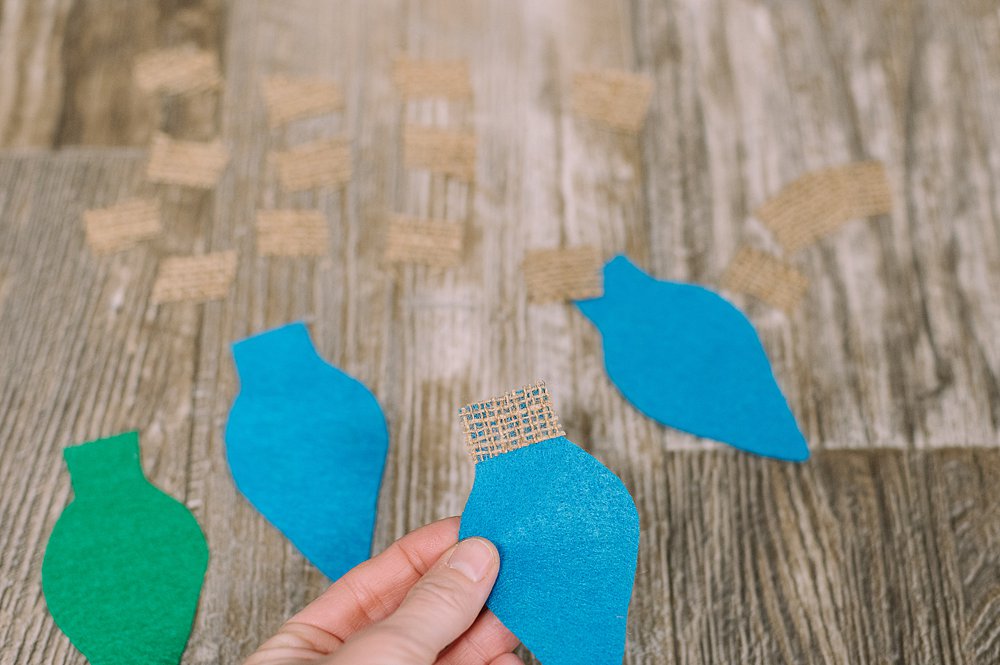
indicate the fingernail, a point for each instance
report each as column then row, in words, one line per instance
column 473, row 558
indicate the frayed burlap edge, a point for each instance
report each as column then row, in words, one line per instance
column 510, row 421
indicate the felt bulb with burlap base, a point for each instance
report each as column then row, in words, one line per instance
column 566, row 528
column 124, row 566
column 306, row 444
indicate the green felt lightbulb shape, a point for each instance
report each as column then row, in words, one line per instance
column 124, row 566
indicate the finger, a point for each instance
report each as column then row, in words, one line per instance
column 438, row 609
column 374, row 589
column 485, row 640
column 507, row 659
column 294, row 643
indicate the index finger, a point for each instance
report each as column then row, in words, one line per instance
column 374, row 589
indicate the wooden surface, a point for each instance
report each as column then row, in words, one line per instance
column 883, row 548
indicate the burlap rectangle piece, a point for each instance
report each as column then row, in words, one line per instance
column 187, row 163
column 615, row 98
column 324, row 163
column 194, row 278
column 817, row 203
column 292, row 233
column 766, row 277
column 508, row 422
column 290, row 99
column 177, row 71
column 432, row 78
column 440, row 150
column 432, row 242
column 563, row 274
column 121, row 225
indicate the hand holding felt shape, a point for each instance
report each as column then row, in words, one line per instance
column 566, row 528
column 124, row 566
column 688, row 358
column 306, row 444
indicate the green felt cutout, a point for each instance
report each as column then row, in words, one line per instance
column 124, row 566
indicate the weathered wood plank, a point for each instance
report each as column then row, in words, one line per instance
column 85, row 355
column 67, row 75
column 873, row 556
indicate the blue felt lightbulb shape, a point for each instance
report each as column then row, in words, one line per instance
column 566, row 528
column 688, row 358
column 306, row 444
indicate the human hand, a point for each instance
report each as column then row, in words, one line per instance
column 419, row 602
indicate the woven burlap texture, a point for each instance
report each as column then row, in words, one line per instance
column 440, row 151
column 766, row 277
column 292, row 233
column 432, row 242
column 194, row 278
column 563, row 274
column 615, row 98
column 817, row 203
column 323, row 163
column 177, row 71
column 290, row 98
column 415, row 79
column 513, row 420
column 121, row 225
column 187, row 163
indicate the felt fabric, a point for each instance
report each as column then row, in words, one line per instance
column 124, row 566
column 306, row 444
column 688, row 358
column 568, row 535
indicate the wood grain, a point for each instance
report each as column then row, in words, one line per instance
column 882, row 548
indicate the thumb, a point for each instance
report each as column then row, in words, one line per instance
column 437, row 610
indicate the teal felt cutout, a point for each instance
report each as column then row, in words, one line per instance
column 124, row 566
column 568, row 535
column 306, row 444
column 688, row 358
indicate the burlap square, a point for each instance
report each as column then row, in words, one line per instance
column 433, row 242
column 187, row 163
column 766, row 277
column 440, row 150
column 817, row 203
column 324, row 163
column 121, row 225
column 615, row 98
column 432, row 78
column 194, row 278
column 513, row 420
column 563, row 274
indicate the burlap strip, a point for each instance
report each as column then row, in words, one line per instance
column 766, row 277
column 433, row 242
column 187, row 163
column 817, row 203
column 440, row 150
column 177, row 71
column 290, row 99
column 432, row 78
column 194, row 278
column 563, row 274
column 324, row 163
column 513, row 420
column 292, row 233
column 615, row 98
column 121, row 225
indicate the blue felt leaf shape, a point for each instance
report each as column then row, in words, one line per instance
column 568, row 535
column 688, row 358
column 306, row 444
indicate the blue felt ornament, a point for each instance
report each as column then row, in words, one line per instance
column 566, row 528
column 306, row 444
column 688, row 358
